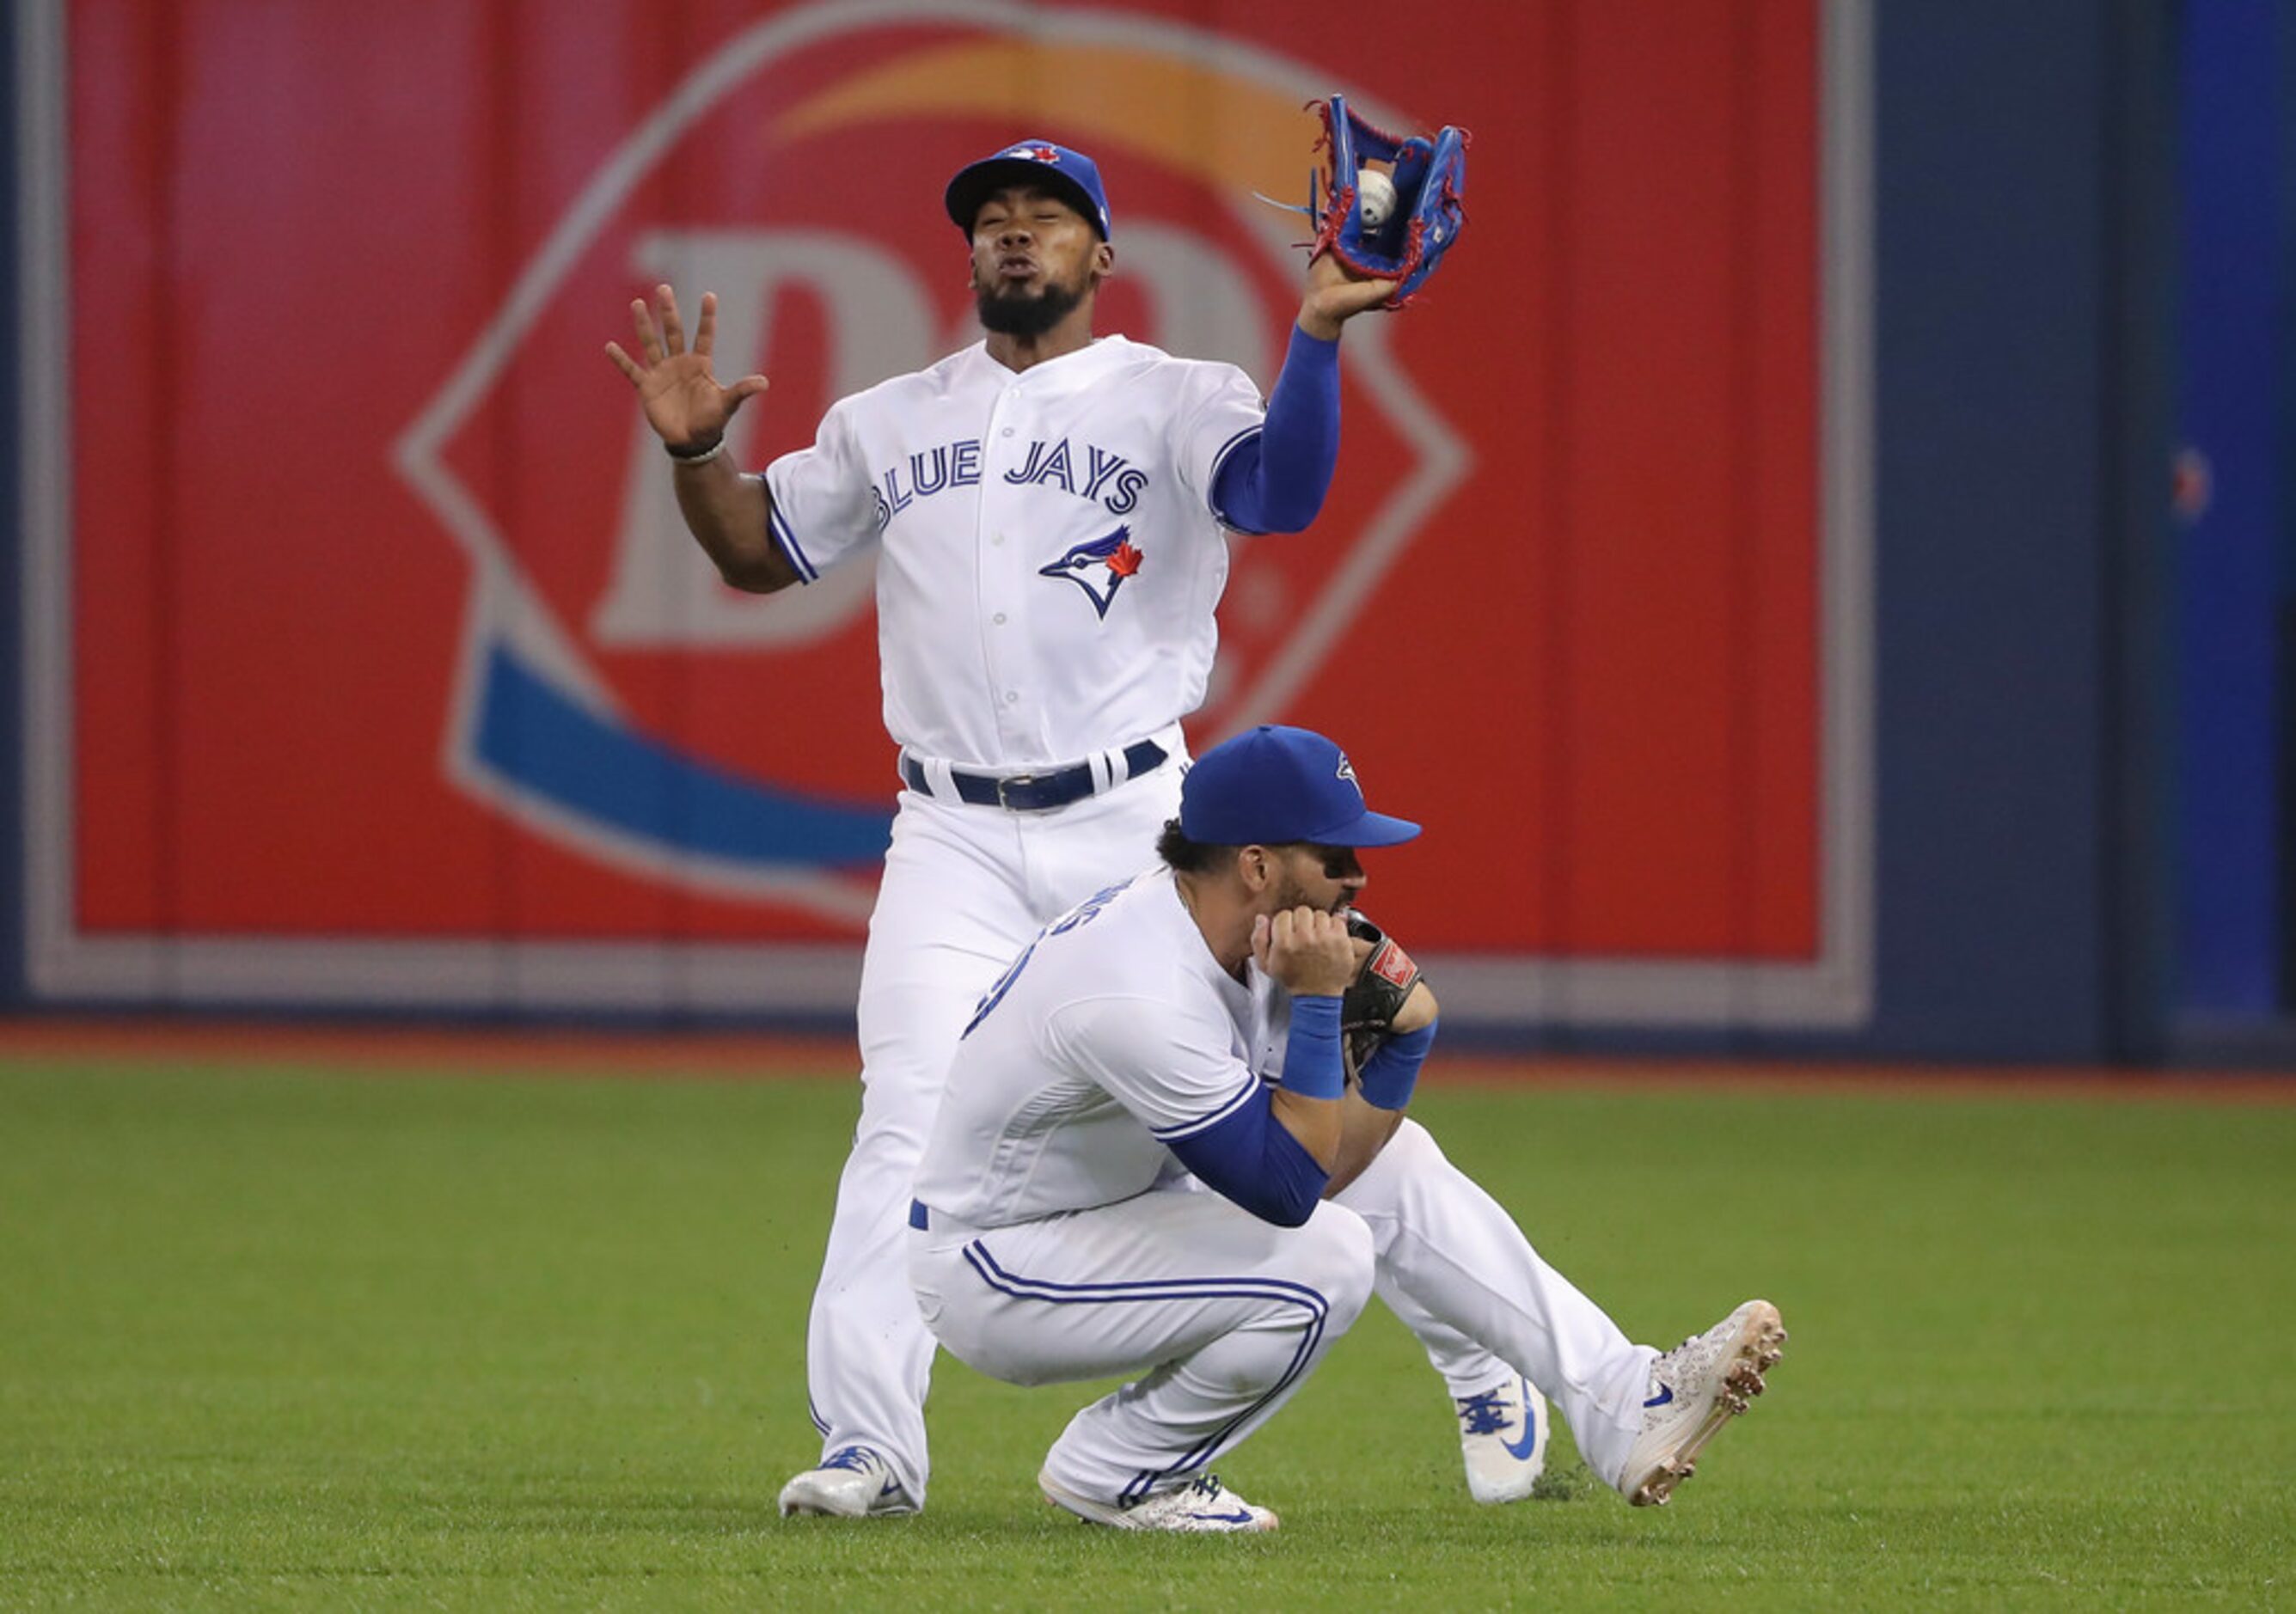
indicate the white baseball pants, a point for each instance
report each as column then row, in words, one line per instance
column 965, row 888
column 1229, row 1314
column 1449, row 1252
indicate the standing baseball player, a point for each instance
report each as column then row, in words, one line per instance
column 1184, row 1031
column 1046, row 509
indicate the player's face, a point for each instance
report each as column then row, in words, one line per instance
column 1325, row 878
column 1035, row 259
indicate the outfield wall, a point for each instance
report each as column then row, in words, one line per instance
column 1741, row 558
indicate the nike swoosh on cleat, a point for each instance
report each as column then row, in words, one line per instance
column 1665, row 1395
column 892, row 1487
column 1238, row 1517
column 1522, row 1453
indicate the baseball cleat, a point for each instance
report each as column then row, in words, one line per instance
column 1205, row 1504
column 852, row 1482
column 1503, row 1436
column 1694, row 1389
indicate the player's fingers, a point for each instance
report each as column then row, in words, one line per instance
column 1283, row 930
column 1263, row 940
column 705, row 329
column 1309, row 939
column 649, row 339
column 748, row 387
column 624, row 363
column 673, row 329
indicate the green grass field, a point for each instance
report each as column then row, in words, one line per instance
column 288, row 1339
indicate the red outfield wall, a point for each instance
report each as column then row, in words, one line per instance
column 390, row 676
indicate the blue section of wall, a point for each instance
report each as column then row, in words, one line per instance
column 2136, row 791
column 11, row 505
column 1992, row 301
column 2231, row 335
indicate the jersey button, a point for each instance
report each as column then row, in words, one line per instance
column 998, row 619
column 1012, row 697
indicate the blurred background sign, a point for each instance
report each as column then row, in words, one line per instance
column 1812, row 560
column 391, row 674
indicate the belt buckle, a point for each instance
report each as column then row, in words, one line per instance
column 1016, row 780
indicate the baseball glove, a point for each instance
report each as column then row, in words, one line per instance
column 1368, row 1009
column 1430, row 210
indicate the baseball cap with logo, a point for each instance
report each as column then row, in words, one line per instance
column 1274, row 785
column 1063, row 169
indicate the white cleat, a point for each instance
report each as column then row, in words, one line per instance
column 852, row 1482
column 1206, row 1504
column 1694, row 1389
column 1503, row 1436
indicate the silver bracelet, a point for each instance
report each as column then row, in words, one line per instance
column 702, row 458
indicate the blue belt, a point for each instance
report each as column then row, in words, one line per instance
column 1032, row 792
column 918, row 1218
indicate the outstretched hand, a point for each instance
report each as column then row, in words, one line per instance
column 1334, row 297
column 677, row 388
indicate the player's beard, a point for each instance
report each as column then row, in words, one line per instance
column 1291, row 894
column 1023, row 316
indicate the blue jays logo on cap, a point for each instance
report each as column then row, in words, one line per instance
column 1099, row 567
column 1063, row 170
column 1272, row 785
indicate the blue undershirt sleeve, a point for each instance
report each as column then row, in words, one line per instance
column 1252, row 1157
column 1253, row 1160
column 1276, row 481
column 1390, row 1075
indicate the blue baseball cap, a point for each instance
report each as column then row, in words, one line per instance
column 1274, row 785
column 1063, row 169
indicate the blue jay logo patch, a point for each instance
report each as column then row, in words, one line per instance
column 1099, row 568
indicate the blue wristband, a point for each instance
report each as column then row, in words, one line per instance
column 1311, row 1055
column 1390, row 1074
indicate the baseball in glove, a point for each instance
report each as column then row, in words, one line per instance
column 1405, row 238
column 1368, row 1008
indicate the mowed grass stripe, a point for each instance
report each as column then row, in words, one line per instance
column 280, row 1339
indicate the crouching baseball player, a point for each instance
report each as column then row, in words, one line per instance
column 1181, row 1032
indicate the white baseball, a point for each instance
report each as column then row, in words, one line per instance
column 1374, row 197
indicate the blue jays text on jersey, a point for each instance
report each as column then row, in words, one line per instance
column 1104, row 476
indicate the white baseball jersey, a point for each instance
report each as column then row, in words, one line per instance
column 1048, row 561
column 1114, row 1033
